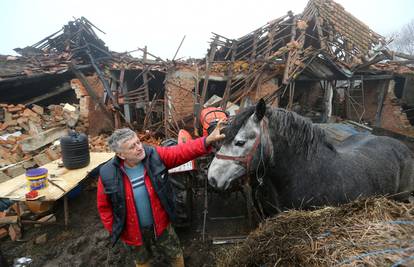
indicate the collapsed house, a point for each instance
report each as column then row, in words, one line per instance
column 324, row 64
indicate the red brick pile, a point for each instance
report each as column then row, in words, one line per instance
column 28, row 122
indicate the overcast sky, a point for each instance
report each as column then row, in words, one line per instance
column 162, row 24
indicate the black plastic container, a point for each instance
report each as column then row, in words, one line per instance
column 75, row 150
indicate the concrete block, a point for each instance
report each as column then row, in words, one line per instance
column 15, row 170
column 41, row 159
column 29, row 164
column 42, row 139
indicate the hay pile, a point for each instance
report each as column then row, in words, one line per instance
column 369, row 232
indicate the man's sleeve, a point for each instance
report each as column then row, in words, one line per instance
column 173, row 156
column 104, row 207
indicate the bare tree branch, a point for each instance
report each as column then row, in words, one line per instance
column 404, row 39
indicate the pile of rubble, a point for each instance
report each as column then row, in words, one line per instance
column 27, row 135
column 37, row 212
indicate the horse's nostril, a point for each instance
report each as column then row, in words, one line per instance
column 226, row 184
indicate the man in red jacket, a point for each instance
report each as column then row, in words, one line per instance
column 134, row 195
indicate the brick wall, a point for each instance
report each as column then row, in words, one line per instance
column 393, row 118
column 180, row 89
column 91, row 114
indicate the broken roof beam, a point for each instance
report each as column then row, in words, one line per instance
column 144, row 50
column 402, row 55
column 91, row 92
column 145, row 75
column 209, row 61
column 345, row 24
column 59, row 90
column 290, row 62
column 229, row 77
column 76, row 34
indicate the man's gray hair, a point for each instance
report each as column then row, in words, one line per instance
column 118, row 137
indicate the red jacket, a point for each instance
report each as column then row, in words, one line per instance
column 171, row 157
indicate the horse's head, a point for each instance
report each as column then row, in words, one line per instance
column 244, row 145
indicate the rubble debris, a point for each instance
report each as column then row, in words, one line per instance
column 27, row 134
column 44, row 138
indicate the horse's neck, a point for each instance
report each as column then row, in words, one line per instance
column 301, row 136
column 288, row 159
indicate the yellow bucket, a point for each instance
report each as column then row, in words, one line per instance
column 37, row 178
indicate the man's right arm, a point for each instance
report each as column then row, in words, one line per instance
column 104, row 207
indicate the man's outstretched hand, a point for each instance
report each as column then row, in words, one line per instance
column 215, row 135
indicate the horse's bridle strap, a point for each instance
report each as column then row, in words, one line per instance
column 249, row 156
column 244, row 159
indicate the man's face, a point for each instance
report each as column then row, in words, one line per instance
column 132, row 150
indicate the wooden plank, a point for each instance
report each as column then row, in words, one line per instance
column 117, row 117
column 229, row 77
column 65, row 87
column 9, row 219
column 145, row 77
column 386, row 86
column 17, row 187
column 209, row 61
column 290, row 60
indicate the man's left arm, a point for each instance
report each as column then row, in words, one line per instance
column 174, row 156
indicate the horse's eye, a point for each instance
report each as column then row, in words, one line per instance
column 240, row 143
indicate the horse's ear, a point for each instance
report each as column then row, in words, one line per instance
column 260, row 110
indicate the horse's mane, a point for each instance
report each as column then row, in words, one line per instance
column 300, row 134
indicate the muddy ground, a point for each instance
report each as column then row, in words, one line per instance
column 86, row 243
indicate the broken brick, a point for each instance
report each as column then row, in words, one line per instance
column 15, row 232
column 14, row 109
column 21, row 120
column 29, row 164
column 28, row 113
column 3, row 126
column 12, row 123
column 38, row 109
column 41, row 159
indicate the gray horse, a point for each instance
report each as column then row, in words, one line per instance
column 298, row 167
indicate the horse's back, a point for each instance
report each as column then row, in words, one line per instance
column 386, row 163
column 363, row 142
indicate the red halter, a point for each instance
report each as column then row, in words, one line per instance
column 247, row 159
